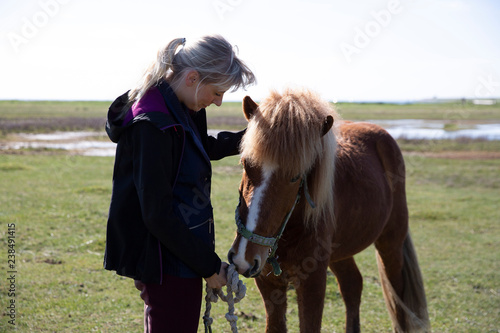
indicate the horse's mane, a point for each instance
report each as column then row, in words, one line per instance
column 286, row 132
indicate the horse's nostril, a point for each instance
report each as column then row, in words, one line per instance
column 256, row 267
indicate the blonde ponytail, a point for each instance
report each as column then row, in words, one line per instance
column 158, row 70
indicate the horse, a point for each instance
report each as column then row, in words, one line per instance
column 323, row 189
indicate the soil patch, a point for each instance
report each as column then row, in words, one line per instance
column 47, row 125
column 458, row 155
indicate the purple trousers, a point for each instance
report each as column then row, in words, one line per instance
column 173, row 306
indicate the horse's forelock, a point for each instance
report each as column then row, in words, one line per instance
column 286, row 131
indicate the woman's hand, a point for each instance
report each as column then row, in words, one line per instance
column 218, row 281
column 142, row 288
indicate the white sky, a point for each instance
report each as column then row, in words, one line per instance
column 392, row 50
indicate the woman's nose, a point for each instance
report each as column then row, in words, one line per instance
column 217, row 100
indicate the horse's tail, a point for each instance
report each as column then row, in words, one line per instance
column 409, row 312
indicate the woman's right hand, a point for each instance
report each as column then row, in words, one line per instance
column 217, row 281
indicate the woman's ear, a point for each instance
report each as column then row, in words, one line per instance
column 192, row 77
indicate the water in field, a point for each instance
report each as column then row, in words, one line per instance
column 420, row 129
column 93, row 144
column 81, row 143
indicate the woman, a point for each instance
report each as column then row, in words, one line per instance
column 160, row 227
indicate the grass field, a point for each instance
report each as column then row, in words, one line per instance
column 58, row 204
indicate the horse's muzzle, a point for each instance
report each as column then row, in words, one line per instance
column 252, row 271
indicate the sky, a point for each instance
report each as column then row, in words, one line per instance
column 362, row 50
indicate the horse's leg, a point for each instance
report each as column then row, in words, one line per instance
column 310, row 285
column 273, row 292
column 390, row 264
column 351, row 285
column 400, row 273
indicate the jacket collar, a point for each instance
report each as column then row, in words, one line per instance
column 181, row 114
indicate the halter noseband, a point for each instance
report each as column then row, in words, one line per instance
column 272, row 242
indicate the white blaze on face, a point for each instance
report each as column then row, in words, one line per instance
column 253, row 215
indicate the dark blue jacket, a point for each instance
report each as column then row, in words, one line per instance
column 160, row 217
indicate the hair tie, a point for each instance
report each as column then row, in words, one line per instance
column 178, row 48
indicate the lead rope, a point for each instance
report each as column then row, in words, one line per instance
column 234, row 285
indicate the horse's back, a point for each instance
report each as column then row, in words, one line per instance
column 363, row 132
column 363, row 139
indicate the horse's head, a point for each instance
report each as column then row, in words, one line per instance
column 278, row 151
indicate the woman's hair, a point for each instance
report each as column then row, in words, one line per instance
column 212, row 57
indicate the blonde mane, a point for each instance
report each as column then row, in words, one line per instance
column 286, row 132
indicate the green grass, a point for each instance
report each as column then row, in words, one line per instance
column 437, row 111
column 12, row 109
column 59, row 205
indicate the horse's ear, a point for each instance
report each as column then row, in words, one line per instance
column 327, row 125
column 249, row 107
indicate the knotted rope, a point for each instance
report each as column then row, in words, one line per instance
column 234, row 285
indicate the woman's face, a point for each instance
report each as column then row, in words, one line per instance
column 196, row 95
column 206, row 95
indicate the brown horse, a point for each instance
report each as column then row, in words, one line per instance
column 354, row 176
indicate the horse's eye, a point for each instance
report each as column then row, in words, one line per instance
column 295, row 179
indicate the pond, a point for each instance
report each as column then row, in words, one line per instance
column 420, row 129
column 92, row 144
column 80, row 143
